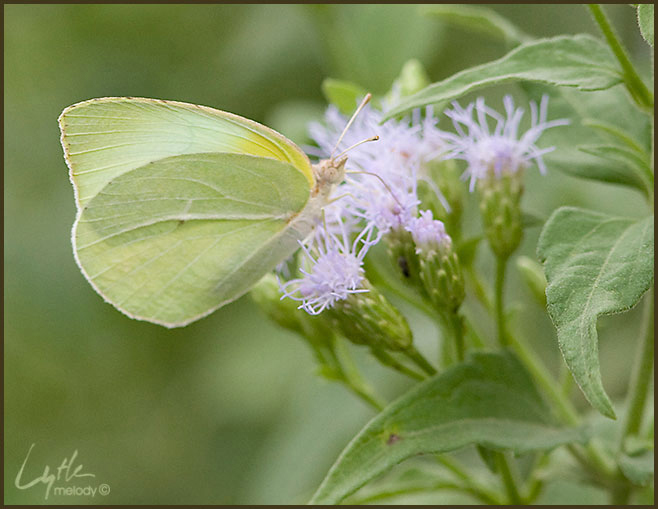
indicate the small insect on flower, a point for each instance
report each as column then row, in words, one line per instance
column 332, row 268
column 502, row 151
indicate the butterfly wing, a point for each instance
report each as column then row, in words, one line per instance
column 104, row 138
column 173, row 240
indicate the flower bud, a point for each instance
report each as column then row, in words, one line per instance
column 413, row 78
column 368, row 318
column 440, row 271
column 267, row 295
column 500, row 208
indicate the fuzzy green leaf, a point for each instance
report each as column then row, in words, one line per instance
column 632, row 169
column 595, row 264
column 579, row 61
column 645, row 20
column 478, row 19
column 639, row 468
column 489, row 400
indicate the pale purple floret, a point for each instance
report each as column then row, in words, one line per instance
column 501, row 150
column 429, row 234
column 379, row 193
column 381, row 184
column 332, row 270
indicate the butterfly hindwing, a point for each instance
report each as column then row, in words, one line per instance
column 174, row 239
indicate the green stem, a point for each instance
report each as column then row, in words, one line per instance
column 593, row 457
column 544, row 379
column 634, row 83
column 535, row 481
column 351, row 377
column 457, row 323
column 643, row 367
column 509, row 479
column 420, row 361
column 390, row 361
column 483, row 493
column 452, row 344
column 637, row 396
column 501, row 265
column 479, row 289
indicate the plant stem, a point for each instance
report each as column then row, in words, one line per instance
column 641, row 373
column 351, row 377
column 637, row 395
column 479, row 289
column 457, row 324
column 452, row 345
column 501, row 265
column 544, row 379
column 420, row 361
column 390, row 361
column 482, row 492
column 509, row 480
column 594, row 459
column 634, row 83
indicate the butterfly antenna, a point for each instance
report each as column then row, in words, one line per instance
column 365, row 101
column 381, row 180
column 372, row 138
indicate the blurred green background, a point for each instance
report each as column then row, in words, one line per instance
column 227, row 410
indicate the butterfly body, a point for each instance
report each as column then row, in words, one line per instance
column 183, row 208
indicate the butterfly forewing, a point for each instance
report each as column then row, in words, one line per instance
column 104, row 138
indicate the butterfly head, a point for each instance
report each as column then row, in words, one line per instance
column 329, row 172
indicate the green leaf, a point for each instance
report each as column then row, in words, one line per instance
column 413, row 78
column 579, row 61
column 345, row 95
column 639, row 468
column 488, row 458
column 645, row 20
column 604, row 118
column 595, row 264
column 478, row 19
column 428, row 480
column 626, row 166
column 532, row 219
column 489, row 400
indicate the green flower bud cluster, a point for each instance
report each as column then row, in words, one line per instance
column 439, row 270
column 368, row 318
column 267, row 295
column 442, row 277
column 500, row 209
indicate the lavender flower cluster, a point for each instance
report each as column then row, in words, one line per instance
column 380, row 192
